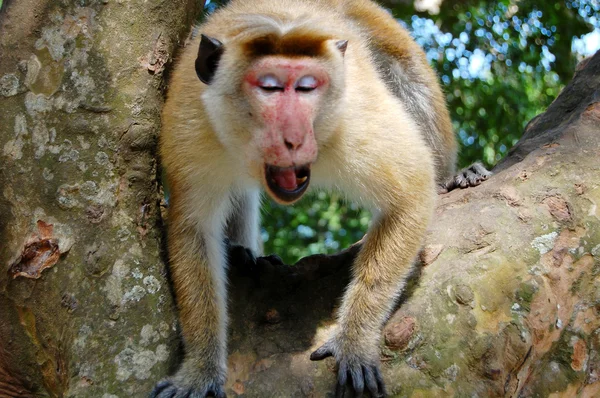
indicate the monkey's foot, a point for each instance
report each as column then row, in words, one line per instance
column 170, row 389
column 240, row 256
column 470, row 176
column 355, row 374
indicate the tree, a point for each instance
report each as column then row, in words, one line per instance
column 85, row 308
column 507, row 300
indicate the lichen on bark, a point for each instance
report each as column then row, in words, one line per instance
column 80, row 119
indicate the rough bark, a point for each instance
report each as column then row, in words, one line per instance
column 85, row 309
column 504, row 303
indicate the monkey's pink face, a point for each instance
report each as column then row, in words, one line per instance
column 285, row 94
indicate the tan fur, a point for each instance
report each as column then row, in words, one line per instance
column 374, row 146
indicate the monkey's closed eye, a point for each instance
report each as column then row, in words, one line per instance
column 270, row 83
column 271, row 88
column 305, row 89
column 306, row 84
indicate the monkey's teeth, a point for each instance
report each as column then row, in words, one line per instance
column 301, row 180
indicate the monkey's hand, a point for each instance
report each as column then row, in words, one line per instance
column 190, row 384
column 470, row 176
column 358, row 367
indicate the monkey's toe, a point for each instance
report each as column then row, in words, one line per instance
column 274, row 259
column 240, row 256
column 470, row 176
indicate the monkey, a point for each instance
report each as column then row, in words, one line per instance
column 279, row 96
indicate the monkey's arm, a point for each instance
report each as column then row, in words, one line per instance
column 244, row 220
column 197, row 271
column 379, row 273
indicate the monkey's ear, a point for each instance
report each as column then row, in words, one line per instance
column 342, row 45
column 209, row 54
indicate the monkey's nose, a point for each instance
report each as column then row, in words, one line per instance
column 292, row 145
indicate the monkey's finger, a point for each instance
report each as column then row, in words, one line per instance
column 166, row 389
column 190, row 393
column 380, row 383
column 217, row 394
column 454, row 182
column 371, row 381
column 321, row 353
column 340, row 388
column 160, row 387
column 481, row 171
column 343, row 374
column 358, row 380
column 461, row 180
column 343, row 390
column 340, row 391
column 472, row 178
column 449, row 184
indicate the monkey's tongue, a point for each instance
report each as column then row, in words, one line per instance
column 285, row 178
column 287, row 184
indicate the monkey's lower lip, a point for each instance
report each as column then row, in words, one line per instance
column 287, row 184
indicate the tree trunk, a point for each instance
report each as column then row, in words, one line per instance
column 504, row 303
column 85, row 309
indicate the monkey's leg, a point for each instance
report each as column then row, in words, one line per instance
column 470, row 176
column 379, row 274
column 197, row 263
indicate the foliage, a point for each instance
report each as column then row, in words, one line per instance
column 501, row 63
column 320, row 223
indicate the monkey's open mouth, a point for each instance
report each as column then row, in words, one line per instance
column 287, row 184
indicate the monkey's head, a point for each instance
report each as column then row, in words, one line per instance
column 272, row 100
